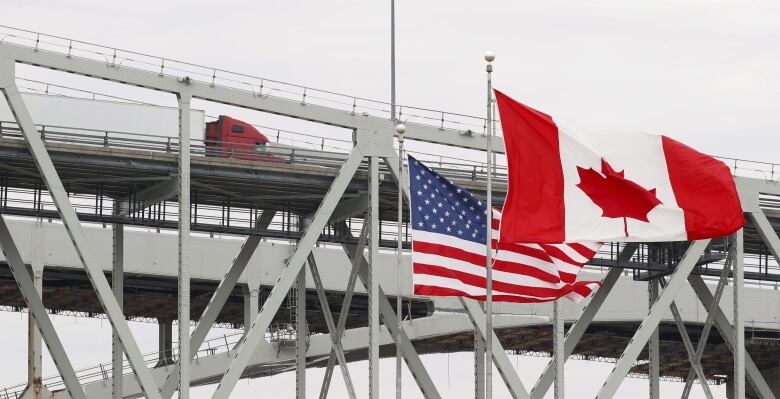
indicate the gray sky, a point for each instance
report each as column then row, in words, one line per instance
column 704, row 72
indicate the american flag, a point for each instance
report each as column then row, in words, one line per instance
column 448, row 249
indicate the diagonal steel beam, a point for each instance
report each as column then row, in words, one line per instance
column 68, row 215
column 257, row 332
column 695, row 362
column 413, row 361
column 727, row 333
column 218, row 300
column 577, row 330
column 152, row 195
column 705, row 332
column 642, row 335
column 767, row 233
column 504, row 366
column 35, row 305
column 344, row 313
column 334, row 337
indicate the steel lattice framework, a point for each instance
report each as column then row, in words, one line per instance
column 338, row 196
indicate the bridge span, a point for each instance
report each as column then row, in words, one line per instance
column 276, row 248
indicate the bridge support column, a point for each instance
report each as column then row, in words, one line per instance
column 479, row 366
column 559, row 351
column 739, row 321
column 35, row 388
column 653, row 349
column 117, row 285
column 165, row 343
column 251, row 304
column 301, row 336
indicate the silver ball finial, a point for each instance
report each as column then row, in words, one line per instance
column 490, row 56
column 400, row 129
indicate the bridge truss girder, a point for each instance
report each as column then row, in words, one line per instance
column 373, row 141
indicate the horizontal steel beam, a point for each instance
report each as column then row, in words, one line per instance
column 242, row 98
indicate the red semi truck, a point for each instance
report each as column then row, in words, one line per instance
column 231, row 138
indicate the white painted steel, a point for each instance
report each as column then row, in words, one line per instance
column 245, row 98
column 728, row 333
column 695, row 363
column 35, row 305
column 504, row 366
column 708, row 322
column 332, row 330
column 218, row 300
column 479, row 366
column 263, row 320
column 373, row 283
column 117, row 285
column 654, row 365
column 184, row 244
column 650, row 322
column 354, row 261
column 559, row 352
column 577, row 330
column 73, row 226
column 738, row 276
column 767, row 233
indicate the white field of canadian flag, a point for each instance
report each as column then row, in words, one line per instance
column 565, row 186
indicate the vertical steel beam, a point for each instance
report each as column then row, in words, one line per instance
column 345, row 305
column 118, row 285
column 184, row 244
column 653, row 349
column 650, row 322
column 73, row 227
column 577, row 330
column 413, row 362
column 219, row 299
column 504, row 366
column 164, row 343
column 373, row 281
column 767, row 233
column 695, row 363
column 301, row 335
column 256, row 333
column 559, row 351
column 739, row 321
column 479, row 366
column 251, row 304
column 335, row 338
column 35, row 388
column 708, row 322
column 34, row 303
column 727, row 332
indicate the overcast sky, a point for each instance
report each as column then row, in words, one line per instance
column 704, row 72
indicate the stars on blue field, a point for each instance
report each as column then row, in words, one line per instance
column 439, row 206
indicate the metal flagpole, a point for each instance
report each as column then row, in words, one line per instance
column 392, row 60
column 489, row 57
column 400, row 129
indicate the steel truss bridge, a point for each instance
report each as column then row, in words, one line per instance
column 113, row 196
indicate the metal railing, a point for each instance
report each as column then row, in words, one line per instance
column 258, row 86
column 103, row 371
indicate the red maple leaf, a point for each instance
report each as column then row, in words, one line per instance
column 615, row 195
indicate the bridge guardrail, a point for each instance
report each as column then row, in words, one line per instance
column 103, row 371
column 258, row 86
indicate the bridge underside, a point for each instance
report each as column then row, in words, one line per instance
column 154, row 299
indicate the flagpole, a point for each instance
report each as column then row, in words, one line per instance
column 489, row 57
column 400, row 129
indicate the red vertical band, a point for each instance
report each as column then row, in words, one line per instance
column 705, row 190
column 534, row 208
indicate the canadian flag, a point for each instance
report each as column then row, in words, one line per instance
column 566, row 187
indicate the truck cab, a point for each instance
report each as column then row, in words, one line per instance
column 231, row 138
